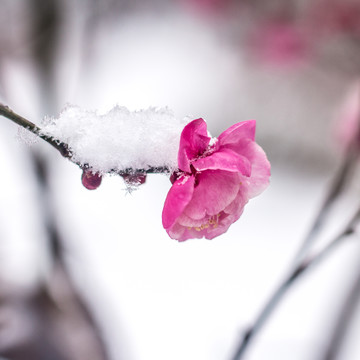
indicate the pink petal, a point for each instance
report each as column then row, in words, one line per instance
column 176, row 232
column 177, row 199
column 238, row 134
column 221, row 229
column 260, row 171
column 236, row 208
column 230, row 214
column 193, row 142
column 187, row 221
column 186, row 228
column 182, row 233
column 225, row 159
column 216, row 189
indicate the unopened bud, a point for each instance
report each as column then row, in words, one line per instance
column 174, row 176
column 90, row 179
column 134, row 179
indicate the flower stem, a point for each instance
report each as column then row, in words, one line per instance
column 300, row 269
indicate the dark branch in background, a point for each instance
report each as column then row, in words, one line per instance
column 305, row 265
column 333, row 193
column 350, row 304
column 55, row 313
column 344, row 320
column 45, row 32
column 60, row 291
column 63, row 148
column 335, row 189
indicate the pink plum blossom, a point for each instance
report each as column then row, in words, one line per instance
column 337, row 16
column 216, row 178
column 207, row 7
column 348, row 118
column 280, row 44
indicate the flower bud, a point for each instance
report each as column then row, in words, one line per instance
column 174, row 176
column 135, row 179
column 90, row 179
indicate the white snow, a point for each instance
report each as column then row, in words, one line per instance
column 119, row 139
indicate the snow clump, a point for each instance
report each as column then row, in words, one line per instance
column 119, row 139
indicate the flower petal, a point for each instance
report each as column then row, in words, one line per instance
column 187, row 221
column 225, row 159
column 230, row 214
column 216, row 189
column 238, row 134
column 211, row 226
column 260, row 171
column 193, row 142
column 182, row 233
column 177, row 199
column 236, row 208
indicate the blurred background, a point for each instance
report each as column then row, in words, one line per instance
column 93, row 275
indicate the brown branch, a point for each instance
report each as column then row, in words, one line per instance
column 28, row 125
column 64, row 148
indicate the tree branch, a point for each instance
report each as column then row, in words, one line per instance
column 333, row 193
column 28, row 125
column 304, row 266
column 343, row 321
column 63, row 148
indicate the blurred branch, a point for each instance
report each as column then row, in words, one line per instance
column 344, row 320
column 304, row 266
column 334, row 191
column 300, row 262
column 54, row 321
column 49, row 322
column 337, row 185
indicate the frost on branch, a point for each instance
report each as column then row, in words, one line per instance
column 120, row 139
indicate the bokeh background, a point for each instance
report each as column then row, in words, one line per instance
column 92, row 274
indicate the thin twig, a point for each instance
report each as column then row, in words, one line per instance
column 28, row 125
column 305, row 265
